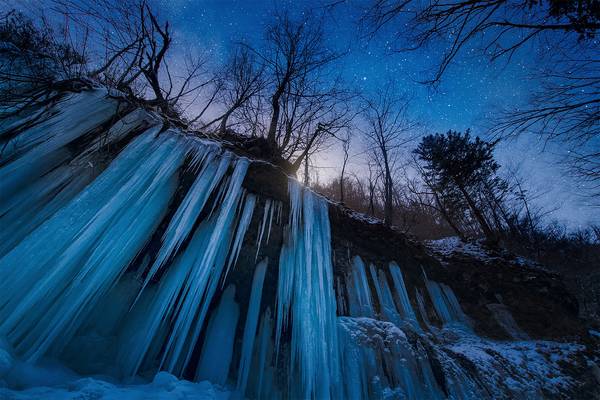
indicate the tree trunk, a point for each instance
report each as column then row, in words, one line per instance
column 487, row 231
column 306, row 177
column 223, row 125
column 446, row 216
column 342, row 180
column 388, row 189
column 274, row 118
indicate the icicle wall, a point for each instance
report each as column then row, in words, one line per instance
column 128, row 249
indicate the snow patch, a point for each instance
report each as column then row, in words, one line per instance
column 164, row 387
column 525, row 368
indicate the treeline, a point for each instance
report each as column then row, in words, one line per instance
column 454, row 186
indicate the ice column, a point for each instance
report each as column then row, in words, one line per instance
column 306, row 299
column 406, row 308
column 251, row 324
column 446, row 304
column 359, row 293
column 218, row 344
column 182, row 299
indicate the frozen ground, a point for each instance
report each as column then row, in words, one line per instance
column 22, row 381
column 164, row 387
column 530, row 368
column 453, row 245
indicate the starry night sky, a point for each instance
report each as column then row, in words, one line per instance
column 472, row 89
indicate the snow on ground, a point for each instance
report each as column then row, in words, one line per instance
column 363, row 217
column 527, row 367
column 164, row 387
column 52, row 381
column 453, row 245
column 450, row 245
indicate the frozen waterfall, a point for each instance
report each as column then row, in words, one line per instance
column 131, row 251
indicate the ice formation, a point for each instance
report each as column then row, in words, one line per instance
column 306, row 298
column 217, row 349
column 119, row 257
column 251, row 325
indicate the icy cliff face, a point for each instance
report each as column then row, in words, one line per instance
column 129, row 250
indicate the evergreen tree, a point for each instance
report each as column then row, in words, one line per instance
column 457, row 167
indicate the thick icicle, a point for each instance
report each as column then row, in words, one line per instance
column 268, row 210
column 41, row 148
column 262, row 381
column 384, row 295
column 189, row 285
column 305, row 293
column 446, row 304
column 218, row 344
column 81, row 266
column 359, row 293
column 30, row 206
column 243, row 224
column 180, row 226
column 406, row 309
column 202, row 283
column 251, row 324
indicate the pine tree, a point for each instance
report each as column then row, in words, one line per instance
column 457, row 167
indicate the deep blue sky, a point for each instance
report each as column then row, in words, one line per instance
column 468, row 91
column 472, row 89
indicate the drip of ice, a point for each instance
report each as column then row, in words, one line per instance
column 218, row 345
column 359, row 293
column 446, row 304
column 251, row 324
column 305, row 293
column 406, row 308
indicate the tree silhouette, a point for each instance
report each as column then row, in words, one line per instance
column 458, row 166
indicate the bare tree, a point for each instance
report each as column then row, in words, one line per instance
column 243, row 79
column 294, row 53
column 499, row 28
column 565, row 110
column 137, row 53
column 389, row 128
column 345, row 148
column 321, row 118
column 34, row 57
